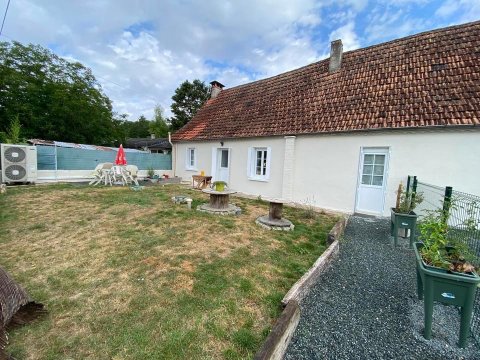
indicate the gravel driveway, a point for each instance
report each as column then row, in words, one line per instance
column 365, row 305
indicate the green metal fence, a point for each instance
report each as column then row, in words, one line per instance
column 462, row 212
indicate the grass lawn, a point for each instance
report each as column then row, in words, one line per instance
column 130, row 275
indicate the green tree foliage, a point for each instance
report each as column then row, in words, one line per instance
column 120, row 129
column 139, row 128
column 56, row 99
column 159, row 125
column 188, row 98
column 13, row 133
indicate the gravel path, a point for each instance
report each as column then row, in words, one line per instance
column 365, row 306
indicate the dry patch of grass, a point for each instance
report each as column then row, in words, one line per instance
column 130, row 275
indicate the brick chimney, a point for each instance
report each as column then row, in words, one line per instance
column 216, row 89
column 336, row 52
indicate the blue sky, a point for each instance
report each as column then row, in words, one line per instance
column 140, row 51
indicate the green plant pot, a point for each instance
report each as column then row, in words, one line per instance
column 219, row 186
column 403, row 221
column 449, row 288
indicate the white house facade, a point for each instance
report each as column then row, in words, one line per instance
column 341, row 134
column 327, row 170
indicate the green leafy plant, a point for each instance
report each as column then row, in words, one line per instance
column 13, row 134
column 309, row 208
column 407, row 201
column 441, row 250
column 150, row 172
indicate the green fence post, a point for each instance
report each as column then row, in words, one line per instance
column 447, row 203
column 414, row 189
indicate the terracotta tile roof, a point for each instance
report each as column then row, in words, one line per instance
column 429, row 79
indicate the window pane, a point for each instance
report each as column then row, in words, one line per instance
column 258, row 170
column 264, row 167
column 379, row 159
column 377, row 180
column 366, row 179
column 192, row 157
column 368, row 159
column 367, row 169
column 378, row 170
column 224, row 160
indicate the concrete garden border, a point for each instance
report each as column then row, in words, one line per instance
column 277, row 341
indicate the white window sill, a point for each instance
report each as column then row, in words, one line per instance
column 191, row 169
column 258, row 179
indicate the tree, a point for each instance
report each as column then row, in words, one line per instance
column 56, row 99
column 189, row 97
column 12, row 136
column 159, row 126
column 139, row 128
column 120, row 129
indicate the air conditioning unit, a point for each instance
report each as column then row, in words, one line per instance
column 19, row 163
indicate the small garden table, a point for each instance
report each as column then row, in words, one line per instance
column 200, row 181
column 219, row 203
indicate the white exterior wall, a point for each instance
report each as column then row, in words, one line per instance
column 325, row 167
column 238, row 163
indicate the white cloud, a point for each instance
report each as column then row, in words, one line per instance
column 141, row 51
column 392, row 22
column 348, row 36
column 139, row 68
column 470, row 9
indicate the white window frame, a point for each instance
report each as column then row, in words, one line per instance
column 252, row 161
column 188, row 159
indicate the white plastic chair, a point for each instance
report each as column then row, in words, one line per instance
column 97, row 174
column 119, row 174
column 107, row 173
column 132, row 173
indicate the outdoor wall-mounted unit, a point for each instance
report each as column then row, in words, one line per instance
column 19, row 163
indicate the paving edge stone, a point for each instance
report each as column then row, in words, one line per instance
column 302, row 286
column 277, row 341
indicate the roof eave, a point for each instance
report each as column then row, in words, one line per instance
column 405, row 128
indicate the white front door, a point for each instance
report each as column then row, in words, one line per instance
column 372, row 181
column 223, row 165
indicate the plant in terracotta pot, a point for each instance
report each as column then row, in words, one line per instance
column 446, row 271
column 402, row 215
column 219, row 185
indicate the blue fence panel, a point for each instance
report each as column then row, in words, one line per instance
column 82, row 159
column 45, row 157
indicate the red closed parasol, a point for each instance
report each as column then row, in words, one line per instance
column 120, row 159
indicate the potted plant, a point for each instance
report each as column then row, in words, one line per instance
column 150, row 172
column 446, row 272
column 402, row 215
column 151, row 175
column 219, row 185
